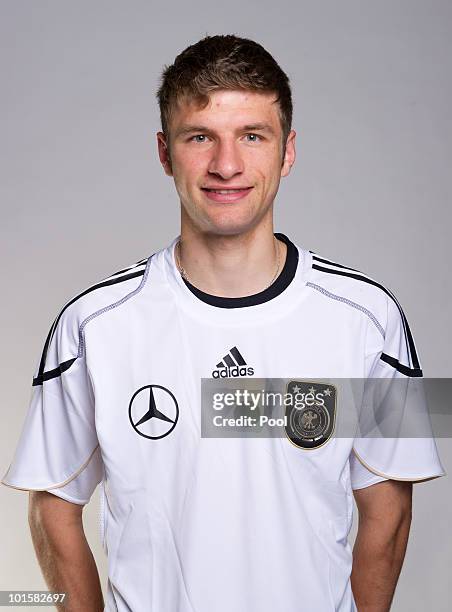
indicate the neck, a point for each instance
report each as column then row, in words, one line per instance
column 231, row 265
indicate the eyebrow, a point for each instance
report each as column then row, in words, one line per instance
column 258, row 127
column 254, row 127
column 188, row 129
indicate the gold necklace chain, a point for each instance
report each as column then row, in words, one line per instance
column 184, row 275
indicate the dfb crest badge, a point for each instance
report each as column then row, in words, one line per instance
column 311, row 416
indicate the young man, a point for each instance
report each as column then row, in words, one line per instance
column 216, row 524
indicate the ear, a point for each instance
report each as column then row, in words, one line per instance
column 164, row 155
column 289, row 155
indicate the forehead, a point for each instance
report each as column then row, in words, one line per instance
column 227, row 108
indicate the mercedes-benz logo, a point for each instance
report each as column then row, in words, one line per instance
column 153, row 411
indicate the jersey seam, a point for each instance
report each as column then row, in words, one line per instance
column 349, row 302
column 41, row 377
column 100, row 311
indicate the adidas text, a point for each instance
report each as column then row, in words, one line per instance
column 233, row 372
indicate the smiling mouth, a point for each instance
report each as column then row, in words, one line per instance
column 226, row 191
column 226, row 196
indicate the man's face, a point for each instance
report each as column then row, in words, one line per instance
column 226, row 160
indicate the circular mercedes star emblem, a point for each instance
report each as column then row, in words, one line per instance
column 153, row 411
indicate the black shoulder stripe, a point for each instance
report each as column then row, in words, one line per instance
column 53, row 373
column 395, row 363
column 111, row 281
column 130, row 268
column 332, row 263
column 408, row 336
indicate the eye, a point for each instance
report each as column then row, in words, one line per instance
column 199, row 138
column 253, row 137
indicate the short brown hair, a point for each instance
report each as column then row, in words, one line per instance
column 223, row 62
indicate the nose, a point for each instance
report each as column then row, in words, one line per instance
column 226, row 160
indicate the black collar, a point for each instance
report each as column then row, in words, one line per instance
column 281, row 282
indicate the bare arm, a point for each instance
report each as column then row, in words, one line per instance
column 383, row 529
column 63, row 552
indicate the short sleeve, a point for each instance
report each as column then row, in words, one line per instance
column 80, row 489
column 360, row 476
column 58, row 442
column 394, row 404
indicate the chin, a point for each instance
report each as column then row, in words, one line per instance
column 231, row 226
column 226, row 219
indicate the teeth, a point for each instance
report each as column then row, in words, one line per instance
column 225, row 191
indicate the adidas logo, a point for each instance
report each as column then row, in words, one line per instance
column 232, row 365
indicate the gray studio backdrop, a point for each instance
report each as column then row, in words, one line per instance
column 82, row 192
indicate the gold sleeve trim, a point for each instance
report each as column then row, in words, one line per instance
column 389, row 477
column 54, row 486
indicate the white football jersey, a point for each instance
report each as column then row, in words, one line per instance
column 203, row 524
